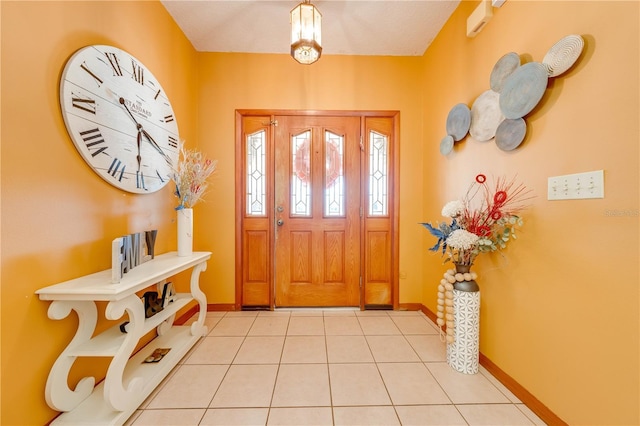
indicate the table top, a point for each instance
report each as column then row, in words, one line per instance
column 98, row 286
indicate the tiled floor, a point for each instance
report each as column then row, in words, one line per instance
column 331, row 367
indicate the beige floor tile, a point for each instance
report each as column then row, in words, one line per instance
column 306, row 326
column 308, row 416
column 235, row 417
column 391, row 349
column 405, row 313
column 269, row 326
column 180, row 417
column 306, row 312
column 411, row 384
column 430, row 415
column 260, row 350
column 375, row 325
column 413, row 324
column 428, row 347
column 347, row 349
column 216, row 314
column 339, row 312
column 158, row 388
column 373, row 313
column 246, row 386
column 465, row 388
column 531, row 415
column 133, row 417
column 233, row 326
column 357, row 384
column 290, row 365
column 274, row 313
column 233, row 314
column 493, row 414
column 192, row 386
column 365, row 416
column 342, row 326
column 302, row 385
column 209, row 321
column 502, row 388
column 304, row 350
column 215, row 350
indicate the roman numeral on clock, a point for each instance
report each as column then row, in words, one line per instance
column 173, row 142
column 115, row 64
column 95, row 77
column 85, row 104
column 94, row 140
column 159, row 176
column 140, row 180
column 168, row 118
column 116, row 169
column 138, row 72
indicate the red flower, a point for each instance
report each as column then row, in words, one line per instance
column 481, row 178
column 500, row 197
column 484, row 231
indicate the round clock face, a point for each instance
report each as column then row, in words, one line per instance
column 119, row 118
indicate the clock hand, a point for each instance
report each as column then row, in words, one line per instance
column 138, row 125
column 156, row 146
column 147, row 135
column 140, row 130
column 139, row 140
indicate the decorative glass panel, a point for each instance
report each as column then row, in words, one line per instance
column 256, row 174
column 378, row 174
column 301, row 174
column 334, row 176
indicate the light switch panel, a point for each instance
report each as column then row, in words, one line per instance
column 576, row 186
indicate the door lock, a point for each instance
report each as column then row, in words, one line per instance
column 280, row 222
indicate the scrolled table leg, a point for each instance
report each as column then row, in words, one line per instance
column 57, row 392
column 115, row 394
column 198, row 328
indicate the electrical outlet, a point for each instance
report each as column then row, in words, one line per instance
column 576, row 186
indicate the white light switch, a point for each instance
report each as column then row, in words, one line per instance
column 576, row 186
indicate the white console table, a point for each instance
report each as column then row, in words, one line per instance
column 129, row 380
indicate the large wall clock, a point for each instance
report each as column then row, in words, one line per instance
column 119, row 118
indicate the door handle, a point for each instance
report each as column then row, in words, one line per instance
column 280, row 222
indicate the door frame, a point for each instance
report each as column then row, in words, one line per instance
column 394, row 188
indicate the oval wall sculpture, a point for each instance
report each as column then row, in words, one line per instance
column 458, row 122
column 511, row 133
column 523, row 89
column 563, row 55
column 485, row 116
column 503, row 69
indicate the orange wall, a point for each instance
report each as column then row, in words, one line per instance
column 58, row 216
column 560, row 312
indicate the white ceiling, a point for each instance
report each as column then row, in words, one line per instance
column 357, row 27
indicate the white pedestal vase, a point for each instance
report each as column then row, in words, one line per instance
column 463, row 333
column 463, row 353
column 185, row 232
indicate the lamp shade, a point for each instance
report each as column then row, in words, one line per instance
column 306, row 33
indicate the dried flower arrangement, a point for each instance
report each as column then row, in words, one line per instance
column 480, row 226
column 190, row 177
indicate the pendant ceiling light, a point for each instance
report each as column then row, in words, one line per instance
column 306, row 33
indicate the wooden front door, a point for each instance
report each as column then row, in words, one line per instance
column 317, row 209
column 317, row 199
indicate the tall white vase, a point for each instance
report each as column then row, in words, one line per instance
column 185, row 232
column 463, row 353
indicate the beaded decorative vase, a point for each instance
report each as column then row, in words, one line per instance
column 459, row 310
